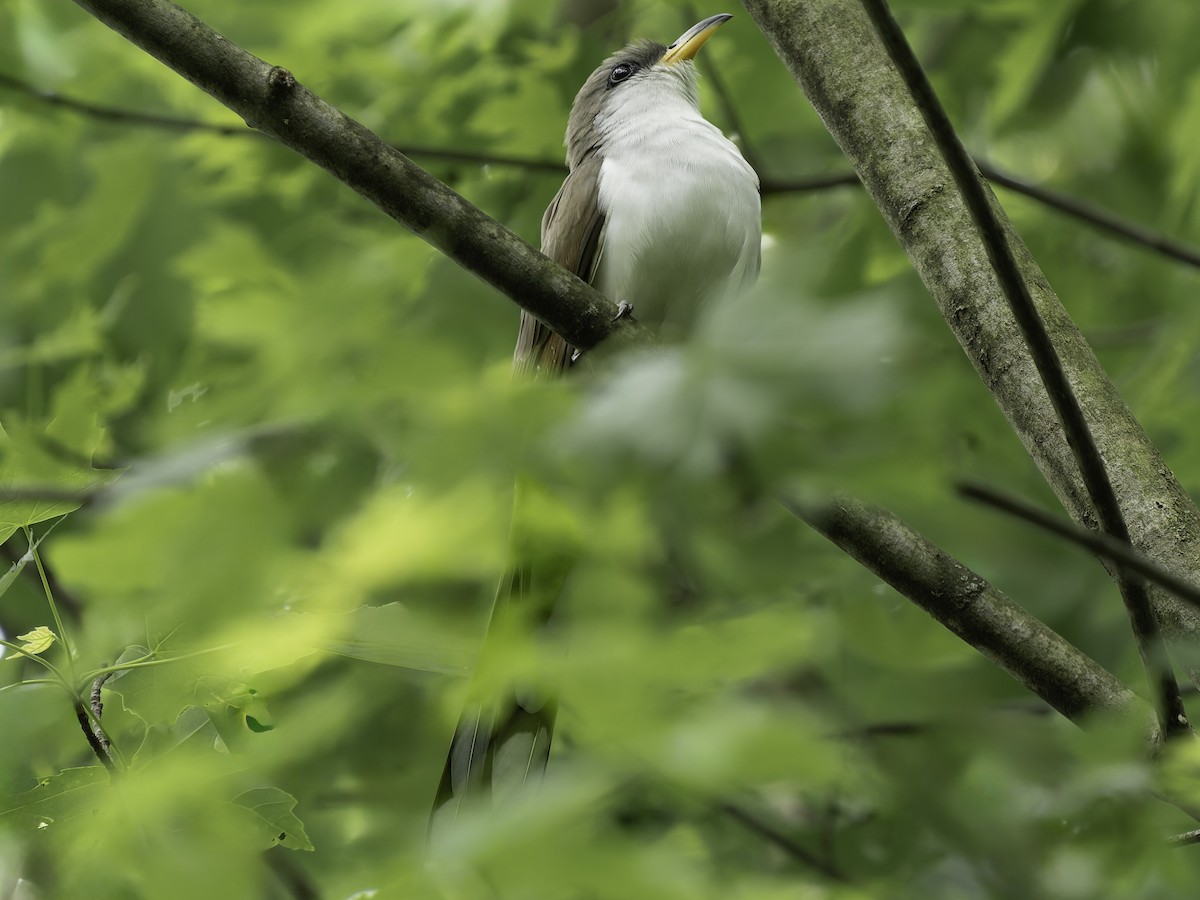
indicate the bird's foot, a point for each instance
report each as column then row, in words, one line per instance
column 575, row 354
column 624, row 311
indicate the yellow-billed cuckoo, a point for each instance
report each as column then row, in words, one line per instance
column 661, row 213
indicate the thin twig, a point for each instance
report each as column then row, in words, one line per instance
column 1099, row 543
column 779, row 839
column 63, row 636
column 117, row 114
column 1144, row 623
column 807, row 184
column 98, row 710
column 1093, row 215
column 124, row 116
column 1087, row 213
column 99, row 747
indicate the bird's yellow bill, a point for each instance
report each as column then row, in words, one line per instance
column 693, row 39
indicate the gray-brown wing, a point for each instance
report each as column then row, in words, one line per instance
column 571, row 232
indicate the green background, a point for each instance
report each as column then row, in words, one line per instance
column 319, row 435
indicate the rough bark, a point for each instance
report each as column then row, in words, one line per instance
column 832, row 51
column 1018, row 642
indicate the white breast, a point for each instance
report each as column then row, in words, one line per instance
column 683, row 223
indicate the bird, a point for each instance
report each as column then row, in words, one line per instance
column 661, row 213
column 659, row 210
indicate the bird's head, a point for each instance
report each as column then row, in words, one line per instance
column 635, row 82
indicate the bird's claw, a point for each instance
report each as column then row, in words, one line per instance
column 624, row 311
column 575, row 354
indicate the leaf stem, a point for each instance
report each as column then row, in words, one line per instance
column 58, row 621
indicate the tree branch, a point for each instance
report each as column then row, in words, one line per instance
column 1021, row 644
column 831, row 49
column 271, row 100
column 99, row 746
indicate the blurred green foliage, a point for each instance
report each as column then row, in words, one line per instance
column 311, row 437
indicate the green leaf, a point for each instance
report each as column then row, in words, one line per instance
column 1025, row 59
column 396, row 636
column 37, row 641
column 69, row 794
column 273, row 814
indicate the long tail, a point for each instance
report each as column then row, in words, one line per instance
column 502, row 745
column 496, row 752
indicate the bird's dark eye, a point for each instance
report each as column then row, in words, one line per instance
column 620, row 72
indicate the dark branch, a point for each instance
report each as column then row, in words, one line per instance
column 1020, row 643
column 271, row 100
column 100, row 748
column 1101, row 544
column 1093, row 215
column 98, row 710
column 1151, row 646
column 807, row 184
column 123, row 116
column 119, row 115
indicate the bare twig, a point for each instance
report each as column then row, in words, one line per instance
column 98, row 709
column 99, row 747
column 1093, row 215
column 1099, row 543
column 122, row 116
column 117, row 114
column 807, row 184
column 789, row 845
column 1144, row 622
column 1088, row 213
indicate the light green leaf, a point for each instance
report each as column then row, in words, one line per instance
column 396, row 636
column 69, row 794
column 37, row 641
column 1025, row 59
column 272, row 811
